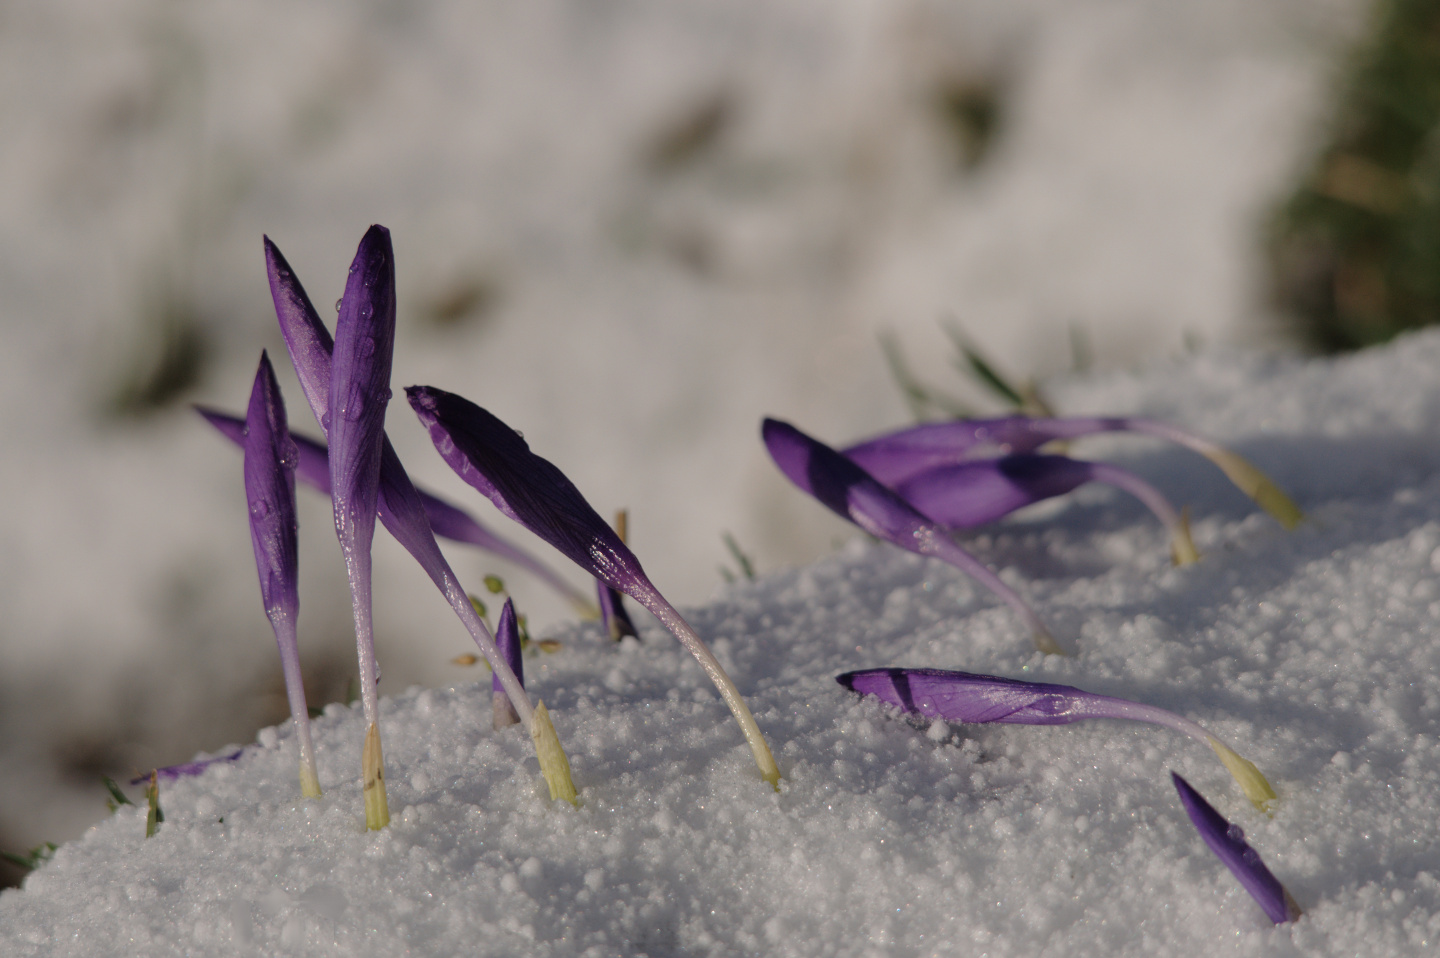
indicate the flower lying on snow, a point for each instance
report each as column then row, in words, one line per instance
column 968, row 698
column 398, row 504
column 446, row 520
column 899, row 457
column 494, row 459
column 270, row 491
column 1227, row 841
column 851, row 492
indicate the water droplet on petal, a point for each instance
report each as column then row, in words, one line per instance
column 259, row 508
column 354, row 402
column 338, row 303
column 325, row 421
column 1235, row 833
column 367, row 345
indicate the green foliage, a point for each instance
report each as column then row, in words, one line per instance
column 117, row 797
column 1355, row 251
column 154, row 816
column 38, row 856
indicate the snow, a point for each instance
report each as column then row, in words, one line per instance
column 1312, row 652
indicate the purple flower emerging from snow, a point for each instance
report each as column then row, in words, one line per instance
column 899, row 456
column 270, row 491
column 185, row 769
column 851, row 492
column 968, row 698
column 1227, row 841
column 400, row 506
column 494, row 459
column 507, row 637
column 359, row 393
column 446, row 519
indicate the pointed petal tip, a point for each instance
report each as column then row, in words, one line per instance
column 1247, row 776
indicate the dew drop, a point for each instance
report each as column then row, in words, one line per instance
column 338, row 303
column 355, row 402
column 325, row 421
column 1235, row 833
column 367, row 345
column 259, row 508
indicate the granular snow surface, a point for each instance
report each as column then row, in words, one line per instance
column 1312, row 652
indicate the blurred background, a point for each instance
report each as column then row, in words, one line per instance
column 630, row 228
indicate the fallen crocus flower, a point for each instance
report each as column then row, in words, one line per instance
column 897, row 456
column 359, row 393
column 967, row 494
column 852, row 493
column 494, row 459
column 968, row 698
column 1227, row 841
column 507, row 637
column 446, row 520
column 270, row 491
column 400, row 506
column 613, row 614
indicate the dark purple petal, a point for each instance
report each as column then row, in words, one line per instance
column 1227, row 841
column 507, row 638
column 494, row 459
column 270, row 457
column 853, row 494
column 968, row 494
column 613, row 615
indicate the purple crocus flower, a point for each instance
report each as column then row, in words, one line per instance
column 494, row 459
column 171, row 773
column 897, row 456
column 852, row 493
column 359, row 393
column 446, row 519
column 1227, row 841
column 969, row 698
column 507, row 637
column 400, row 506
column 963, row 495
column 270, row 491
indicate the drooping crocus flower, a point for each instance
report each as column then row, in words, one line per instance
column 171, row 773
column 446, row 519
column 852, row 493
column 270, row 491
column 897, row 456
column 401, row 508
column 968, row 698
column 507, row 637
column 612, row 603
column 494, row 459
column 1227, row 841
column 359, row 393
column 967, row 494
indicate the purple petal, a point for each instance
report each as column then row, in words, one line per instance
column 969, row 494
column 270, row 457
column 613, row 615
column 507, row 638
column 852, row 493
column 172, row 772
column 1227, row 841
column 969, row 698
column 494, row 459
column 306, row 337
column 359, row 392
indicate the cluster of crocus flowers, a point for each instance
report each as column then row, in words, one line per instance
column 852, row 493
column 967, row 698
column 497, row 461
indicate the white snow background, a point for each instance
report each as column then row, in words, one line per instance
column 1313, row 652
column 635, row 317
